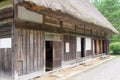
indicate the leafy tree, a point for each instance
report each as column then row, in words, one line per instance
column 111, row 10
column 115, row 47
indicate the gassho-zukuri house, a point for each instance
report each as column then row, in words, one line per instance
column 38, row 36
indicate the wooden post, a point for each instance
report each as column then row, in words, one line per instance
column 101, row 46
column 107, row 45
column 97, row 47
column 92, row 47
column 14, row 43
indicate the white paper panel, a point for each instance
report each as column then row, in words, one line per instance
column 88, row 44
column 78, row 44
column 5, row 43
column 67, row 45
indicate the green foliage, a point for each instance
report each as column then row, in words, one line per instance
column 115, row 47
column 111, row 10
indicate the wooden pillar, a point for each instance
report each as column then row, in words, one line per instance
column 92, row 45
column 14, row 43
column 104, row 46
column 101, row 47
column 107, row 46
column 13, row 50
column 100, row 43
column 97, row 47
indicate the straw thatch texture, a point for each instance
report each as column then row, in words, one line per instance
column 5, row 4
column 81, row 9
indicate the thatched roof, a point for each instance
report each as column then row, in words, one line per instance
column 5, row 4
column 81, row 9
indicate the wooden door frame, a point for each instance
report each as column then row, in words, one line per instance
column 83, row 46
column 53, row 53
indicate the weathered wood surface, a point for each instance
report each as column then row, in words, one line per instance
column 71, row 55
column 5, row 61
column 78, row 55
column 104, row 43
column 56, row 16
column 30, row 51
column 52, row 21
column 6, row 13
column 53, row 29
column 57, row 54
column 100, row 46
column 5, row 30
column 89, row 53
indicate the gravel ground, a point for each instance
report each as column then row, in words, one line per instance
column 106, row 71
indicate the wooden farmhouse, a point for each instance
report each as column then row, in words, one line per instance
column 39, row 36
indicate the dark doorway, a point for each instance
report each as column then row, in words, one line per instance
column 95, row 46
column 82, row 47
column 49, row 55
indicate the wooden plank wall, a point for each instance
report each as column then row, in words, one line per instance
column 104, row 45
column 6, row 13
column 5, row 31
column 30, row 57
column 89, row 53
column 5, row 53
column 100, row 44
column 72, row 54
column 57, row 54
column 5, row 61
column 78, row 54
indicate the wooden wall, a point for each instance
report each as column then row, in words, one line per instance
column 6, row 13
column 5, row 31
column 78, row 54
column 5, row 61
column 30, row 47
column 89, row 53
column 57, row 54
column 5, row 53
column 71, row 55
column 104, row 46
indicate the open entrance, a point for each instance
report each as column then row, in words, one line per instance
column 95, row 47
column 49, row 55
column 53, row 55
column 82, row 47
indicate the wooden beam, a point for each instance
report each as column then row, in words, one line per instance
column 52, row 21
column 5, row 14
column 53, row 29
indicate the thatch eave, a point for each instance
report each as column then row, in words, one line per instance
column 60, row 15
column 6, row 4
column 80, row 9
